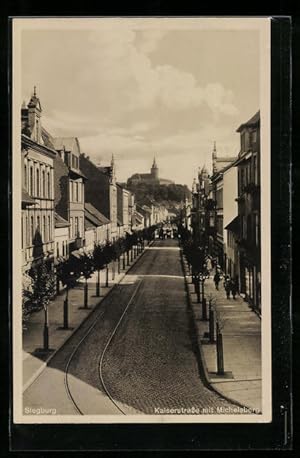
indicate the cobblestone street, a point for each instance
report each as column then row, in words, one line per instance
column 139, row 356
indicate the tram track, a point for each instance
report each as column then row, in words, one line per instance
column 100, row 359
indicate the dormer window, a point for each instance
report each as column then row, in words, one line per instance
column 37, row 130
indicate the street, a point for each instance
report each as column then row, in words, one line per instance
column 135, row 353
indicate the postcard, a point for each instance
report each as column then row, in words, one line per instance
column 141, row 220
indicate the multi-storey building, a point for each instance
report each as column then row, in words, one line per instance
column 101, row 190
column 220, row 165
column 123, row 196
column 97, row 227
column 69, row 188
column 37, row 188
column 248, row 166
column 230, row 212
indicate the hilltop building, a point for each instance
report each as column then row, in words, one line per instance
column 149, row 178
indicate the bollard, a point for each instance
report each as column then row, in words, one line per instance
column 98, row 284
column 220, row 356
column 107, row 273
column 204, row 311
column 211, row 324
column 66, row 320
column 197, row 288
column 85, row 295
column 46, row 331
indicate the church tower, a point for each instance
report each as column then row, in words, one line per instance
column 34, row 117
column 154, row 170
column 214, row 158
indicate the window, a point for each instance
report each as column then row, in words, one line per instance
column 37, row 130
column 255, row 171
column 76, row 189
column 38, row 223
column 49, row 185
column 31, row 181
column 49, row 228
column 79, row 192
column 31, row 229
column 25, row 176
column 256, row 222
column 43, row 184
column 44, row 228
column 57, row 249
column 71, row 191
column 243, row 142
column 37, row 182
column 27, row 232
column 76, row 228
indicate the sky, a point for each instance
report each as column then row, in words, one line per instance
column 138, row 92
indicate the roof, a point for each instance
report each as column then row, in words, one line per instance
column 26, row 199
column 47, row 138
column 90, row 220
column 92, row 211
column 254, row 121
column 138, row 216
column 67, row 144
column 59, row 221
column 234, row 225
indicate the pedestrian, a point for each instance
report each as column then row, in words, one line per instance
column 234, row 287
column 217, row 279
column 227, row 286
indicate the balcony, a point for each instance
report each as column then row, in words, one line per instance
column 77, row 244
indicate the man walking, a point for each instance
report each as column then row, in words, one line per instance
column 227, row 286
column 234, row 287
column 217, row 279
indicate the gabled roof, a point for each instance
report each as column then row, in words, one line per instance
column 252, row 122
column 59, row 221
column 47, row 138
column 90, row 210
column 67, row 144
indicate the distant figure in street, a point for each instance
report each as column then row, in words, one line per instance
column 227, row 286
column 217, row 280
column 209, row 264
column 234, row 287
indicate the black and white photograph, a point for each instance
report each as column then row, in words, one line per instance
column 141, row 220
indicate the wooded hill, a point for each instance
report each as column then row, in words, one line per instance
column 165, row 194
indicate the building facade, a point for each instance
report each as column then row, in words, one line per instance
column 101, row 190
column 123, row 201
column 219, row 165
column 69, row 188
column 230, row 212
column 248, row 170
column 37, row 159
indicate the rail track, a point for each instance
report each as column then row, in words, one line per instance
column 100, row 357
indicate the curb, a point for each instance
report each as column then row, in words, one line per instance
column 45, row 363
column 207, row 380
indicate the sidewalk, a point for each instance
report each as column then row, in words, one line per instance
column 241, row 345
column 34, row 361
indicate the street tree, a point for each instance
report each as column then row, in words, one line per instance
column 67, row 272
column 86, row 269
column 43, row 290
column 99, row 263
